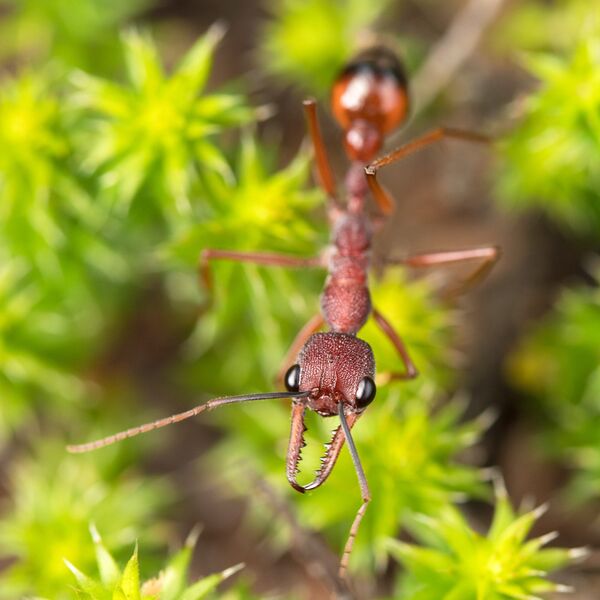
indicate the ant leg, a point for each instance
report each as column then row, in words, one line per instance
column 410, row 371
column 364, row 493
column 488, row 255
column 383, row 199
column 297, row 443
column 312, row 326
column 323, row 168
column 257, row 258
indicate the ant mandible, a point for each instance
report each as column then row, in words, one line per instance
column 334, row 371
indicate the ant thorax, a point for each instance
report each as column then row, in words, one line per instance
column 352, row 234
column 332, row 366
column 345, row 301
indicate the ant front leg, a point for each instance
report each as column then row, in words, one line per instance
column 365, row 494
column 410, row 371
column 323, row 167
column 383, row 199
column 258, row 258
column 487, row 255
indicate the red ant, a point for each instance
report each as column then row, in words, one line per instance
column 334, row 372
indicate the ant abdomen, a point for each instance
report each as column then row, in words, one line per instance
column 368, row 100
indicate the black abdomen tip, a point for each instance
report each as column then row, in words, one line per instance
column 379, row 60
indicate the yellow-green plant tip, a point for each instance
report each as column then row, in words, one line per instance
column 71, row 566
column 500, row 490
column 192, row 538
column 395, row 544
column 488, row 474
column 79, row 575
column 579, row 554
column 265, row 111
column 535, row 573
column 561, row 588
column 216, row 32
column 528, row 503
column 459, row 497
column 94, row 533
column 423, row 518
column 547, row 538
column 542, row 509
column 229, row 572
column 487, row 418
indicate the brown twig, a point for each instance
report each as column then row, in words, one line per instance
column 312, row 553
column 451, row 51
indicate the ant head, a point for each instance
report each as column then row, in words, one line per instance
column 334, row 367
column 369, row 99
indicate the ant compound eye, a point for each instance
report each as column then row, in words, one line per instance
column 365, row 392
column 292, row 378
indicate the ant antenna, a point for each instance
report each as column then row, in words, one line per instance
column 210, row 405
column 364, row 492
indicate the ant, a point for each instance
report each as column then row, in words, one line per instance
column 334, row 370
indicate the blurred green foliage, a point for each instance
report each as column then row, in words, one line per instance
column 77, row 34
column 148, row 139
column 265, row 207
column 550, row 159
column 558, row 363
column 540, row 26
column 115, row 179
column 551, row 164
column 73, row 261
column 307, row 42
column 459, row 563
column 170, row 584
column 32, row 338
column 39, row 194
column 54, row 498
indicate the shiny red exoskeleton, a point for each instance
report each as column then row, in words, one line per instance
column 334, row 371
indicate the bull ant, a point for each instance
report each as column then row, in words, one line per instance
column 334, row 371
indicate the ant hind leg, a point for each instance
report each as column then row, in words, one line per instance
column 488, row 256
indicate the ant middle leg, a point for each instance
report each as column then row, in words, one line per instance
column 410, row 371
column 383, row 199
column 258, row 258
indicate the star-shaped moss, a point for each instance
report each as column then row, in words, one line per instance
column 458, row 563
column 156, row 129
